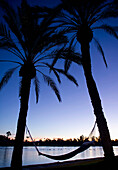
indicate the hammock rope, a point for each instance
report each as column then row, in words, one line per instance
column 71, row 154
column 90, row 135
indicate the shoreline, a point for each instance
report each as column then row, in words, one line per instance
column 74, row 164
column 50, row 145
column 64, row 164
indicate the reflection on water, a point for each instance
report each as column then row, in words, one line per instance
column 5, row 156
column 30, row 155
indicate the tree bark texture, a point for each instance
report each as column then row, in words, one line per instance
column 96, row 103
column 16, row 162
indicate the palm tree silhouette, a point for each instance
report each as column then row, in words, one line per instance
column 78, row 19
column 8, row 134
column 29, row 37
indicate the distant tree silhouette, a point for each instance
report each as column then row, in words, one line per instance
column 31, row 31
column 82, row 138
column 78, row 19
column 8, row 134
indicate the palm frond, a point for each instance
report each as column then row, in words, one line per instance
column 11, row 61
column 7, row 43
column 55, row 59
column 57, row 75
column 37, row 88
column 99, row 47
column 67, row 53
column 70, row 54
column 46, row 42
column 54, row 71
column 3, row 31
column 68, row 19
column 67, row 65
column 47, row 13
column 57, row 55
column 109, row 29
column 6, row 77
column 52, row 84
column 70, row 77
column 115, row 28
column 111, row 11
column 12, row 19
column 96, row 9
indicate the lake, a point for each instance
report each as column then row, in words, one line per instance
column 30, row 155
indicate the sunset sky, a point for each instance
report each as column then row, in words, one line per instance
column 74, row 115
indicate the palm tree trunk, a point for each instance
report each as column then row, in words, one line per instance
column 96, row 103
column 16, row 162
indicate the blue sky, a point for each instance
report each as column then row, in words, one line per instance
column 74, row 115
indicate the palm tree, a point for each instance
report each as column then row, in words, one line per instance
column 8, row 134
column 29, row 37
column 78, row 19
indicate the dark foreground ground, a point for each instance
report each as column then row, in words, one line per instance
column 87, row 164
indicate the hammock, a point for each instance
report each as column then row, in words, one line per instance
column 82, row 148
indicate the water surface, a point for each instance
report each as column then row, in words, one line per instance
column 30, row 155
